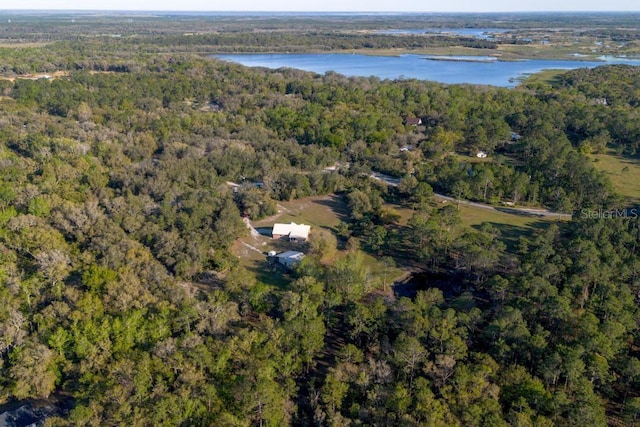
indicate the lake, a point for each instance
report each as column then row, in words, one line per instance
column 451, row 70
column 480, row 33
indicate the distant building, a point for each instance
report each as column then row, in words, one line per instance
column 413, row 121
column 294, row 232
column 290, row 258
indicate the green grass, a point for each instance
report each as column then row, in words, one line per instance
column 382, row 274
column 550, row 77
column 511, row 225
column 472, row 216
column 473, row 159
column 321, row 211
column 326, row 212
column 624, row 173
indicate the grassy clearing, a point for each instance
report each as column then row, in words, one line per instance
column 511, row 225
column 452, row 50
column 624, row 173
column 472, row 216
column 322, row 212
column 473, row 159
column 21, row 45
column 550, row 77
column 563, row 50
column 382, row 274
column 553, row 50
column 319, row 212
column 326, row 212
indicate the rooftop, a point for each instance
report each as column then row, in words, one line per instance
column 293, row 230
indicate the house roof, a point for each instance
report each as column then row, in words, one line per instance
column 414, row 121
column 293, row 230
column 291, row 255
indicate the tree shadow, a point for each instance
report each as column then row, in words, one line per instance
column 269, row 273
column 510, row 234
column 336, row 203
column 264, row 231
column 400, row 247
column 513, row 211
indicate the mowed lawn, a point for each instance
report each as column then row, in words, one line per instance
column 624, row 173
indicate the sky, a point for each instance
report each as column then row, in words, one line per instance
column 332, row 5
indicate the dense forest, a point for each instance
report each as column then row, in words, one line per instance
column 120, row 294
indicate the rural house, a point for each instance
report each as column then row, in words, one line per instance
column 294, row 232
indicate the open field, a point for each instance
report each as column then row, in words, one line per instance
column 450, row 50
column 37, row 76
column 511, row 225
column 49, row 76
column 546, row 76
column 321, row 212
column 472, row 216
column 20, row 45
column 624, row 173
column 506, row 52
column 326, row 212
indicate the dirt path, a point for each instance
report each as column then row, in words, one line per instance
column 253, row 231
column 253, row 248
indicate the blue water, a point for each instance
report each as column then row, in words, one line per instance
column 480, row 33
column 423, row 67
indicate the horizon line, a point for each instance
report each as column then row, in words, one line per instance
column 379, row 12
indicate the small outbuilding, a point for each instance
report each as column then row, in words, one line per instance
column 290, row 258
column 294, row 232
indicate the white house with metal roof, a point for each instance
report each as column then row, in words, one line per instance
column 294, row 232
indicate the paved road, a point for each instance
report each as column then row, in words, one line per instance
column 392, row 181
